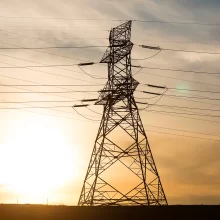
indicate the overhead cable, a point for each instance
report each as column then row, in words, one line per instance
column 49, row 85
column 178, row 50
column 160, row 132
column 83, row 116
column 180, row 116
column 148, row 57
column 181, row 42
column 178, row 70
column 190, row 97
column 179, row 79
column 44, row 66
column 179, row 107
column 111, row 20
column 42, row 48
column 71, row 91
column 181, row 89
column 90, row 75
column 177, row 22
column 188, row 131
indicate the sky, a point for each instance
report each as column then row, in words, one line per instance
column 44, row 153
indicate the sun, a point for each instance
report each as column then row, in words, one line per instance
column 37, row 159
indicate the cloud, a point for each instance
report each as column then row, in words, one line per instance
column 189, row 168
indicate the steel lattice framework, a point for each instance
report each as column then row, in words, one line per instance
column 121, row 112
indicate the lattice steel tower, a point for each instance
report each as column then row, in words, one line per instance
column 121, row 117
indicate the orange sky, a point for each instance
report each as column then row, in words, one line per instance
column 44, row 153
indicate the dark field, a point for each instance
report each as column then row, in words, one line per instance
column 42, row 212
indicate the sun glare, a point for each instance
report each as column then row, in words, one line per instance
column 37, row 160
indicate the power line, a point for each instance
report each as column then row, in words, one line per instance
column 72, row 58
column 149, row 57
column 46, row 114
column 32, row 82
column 33, row 90
column 160, row 132
column 38, row 101
column 91, row 75
column 60, row 30
column 39, row 113
column 195, row 90
column 181, row 107
column 61, row 38
column 194, row 101
column 53, row 108
column 190, row 97
column 40, row 66
column 49, row 85
column 84, row 115
column 194, row 97
column 103, row 38
column 180, row 97
column 39, row 83
column 43, row 72
column 182, row 42
column 182, row 130
column 36, row 107
column 194, row 113
column 183, row 89
column 179, row 70
column 180, row 116
column 93, row 111
column 184, row 100
column 183, row 111
column 69, row 65
column 177, row 22
column 45, row 66
column 49, row 92
column 178, row 50
column 53, row 18
column 111, row 20
column 64, row 76
column 49, row 53
column 137, row 72
column 52, row 29
column 175, row 78
column 97, row 113
column 191, row 51
column 57, row 47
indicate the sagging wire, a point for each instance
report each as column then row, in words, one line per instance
column 150, row 56
column 91, row 109
column 74, row 108
column 150, row 105
column 138, row 71
column 90, row 75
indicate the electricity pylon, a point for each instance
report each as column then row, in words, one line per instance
column 133, row 151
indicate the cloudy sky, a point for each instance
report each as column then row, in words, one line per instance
column 44, row 153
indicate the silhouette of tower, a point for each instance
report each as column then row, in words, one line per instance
column 121, row 138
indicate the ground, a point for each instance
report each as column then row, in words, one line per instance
column 35, row 212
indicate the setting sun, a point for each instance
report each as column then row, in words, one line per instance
column 36, row 163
